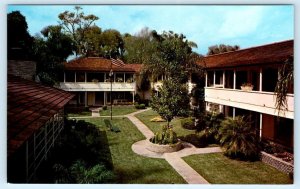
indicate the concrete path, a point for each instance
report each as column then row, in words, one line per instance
column 174, row 159
column 187, row 173
column 140, row 125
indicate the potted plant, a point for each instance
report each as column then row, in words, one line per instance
column 247, row 87
column 95, row 80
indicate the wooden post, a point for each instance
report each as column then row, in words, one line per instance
column 260, row 79
column 234, row 79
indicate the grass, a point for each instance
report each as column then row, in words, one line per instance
column 146, row 116
column 218, row 169
column 118, row 110
column 130, row 167
column 81, row 114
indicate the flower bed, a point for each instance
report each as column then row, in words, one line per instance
column 278, row 162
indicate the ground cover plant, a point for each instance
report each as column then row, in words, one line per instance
column 128, row 166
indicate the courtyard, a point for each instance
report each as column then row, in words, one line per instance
column 214, row 168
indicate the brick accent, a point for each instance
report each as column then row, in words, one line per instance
column 277, row 163
column 23, row 69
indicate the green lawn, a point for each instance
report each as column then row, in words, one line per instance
column 118, row 110
column 81, row 114
column 146, row 116
column 130, row 167
column 218, row 169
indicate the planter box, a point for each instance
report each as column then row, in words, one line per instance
column 160, row 148
column 277, row 163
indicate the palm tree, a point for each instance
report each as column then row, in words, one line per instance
column 239, row 139
column 286, row 75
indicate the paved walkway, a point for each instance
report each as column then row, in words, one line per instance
column 174, row 158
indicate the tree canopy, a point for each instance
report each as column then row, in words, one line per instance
column 217, row 49
column 77, row 24
column 18, row 37
column 51, row 50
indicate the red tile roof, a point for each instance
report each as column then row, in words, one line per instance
column 99, row 64
column 265, row 54
column 29, row 106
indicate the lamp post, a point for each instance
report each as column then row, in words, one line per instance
column 111, row 73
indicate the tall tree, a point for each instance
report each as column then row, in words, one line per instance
column 77, row 24
column 93, row 41
column 50, row 51
column 18, row 37
column 112, row 44
column 173, row 56
column 217, row 49
column 171, row 101
column 140, row 47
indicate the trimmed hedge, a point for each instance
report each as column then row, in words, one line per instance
column 188, row 123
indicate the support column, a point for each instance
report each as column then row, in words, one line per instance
column 104, row 100
column 233, row 113
column 234, row 79
column 133, row 93
column 205, row 79
column 260, row 125
column 124, row 78
column 260, row 79
column 223, row 79
column 75, row 77
column 214, row 78
column 85, row 99
column 64, row 77
column 85, row 77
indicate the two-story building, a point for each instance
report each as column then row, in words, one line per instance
column 89, row 79
column 258, row 66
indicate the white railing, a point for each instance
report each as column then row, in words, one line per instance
column 97, row 86
column 263, row 102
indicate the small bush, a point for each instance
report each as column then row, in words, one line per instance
column 140, row 106
column 188, row 123
column 104, row 107
column 166, row 136
column 196, row 140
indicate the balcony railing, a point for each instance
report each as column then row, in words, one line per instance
column 97, row 86
column 258, row 101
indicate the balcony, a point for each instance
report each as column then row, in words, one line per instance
column 263, row 102
column 97, row 86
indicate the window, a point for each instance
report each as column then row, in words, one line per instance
column 80, row 77
column 269, row 79
column 70, row 76
column 210, row 79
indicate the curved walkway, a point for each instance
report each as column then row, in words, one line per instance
column 174, row 158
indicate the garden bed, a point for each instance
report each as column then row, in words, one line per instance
column 161, row 148
column 283, row 162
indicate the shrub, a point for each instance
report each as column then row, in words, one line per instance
column 209, row 125
column 140, row 106
column 104, row 107
column 166, row 136
column 96, row 174
column 195, row 139
column 239, row 139
column 188, row 123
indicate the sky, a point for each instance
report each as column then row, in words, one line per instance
column 206, row 25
